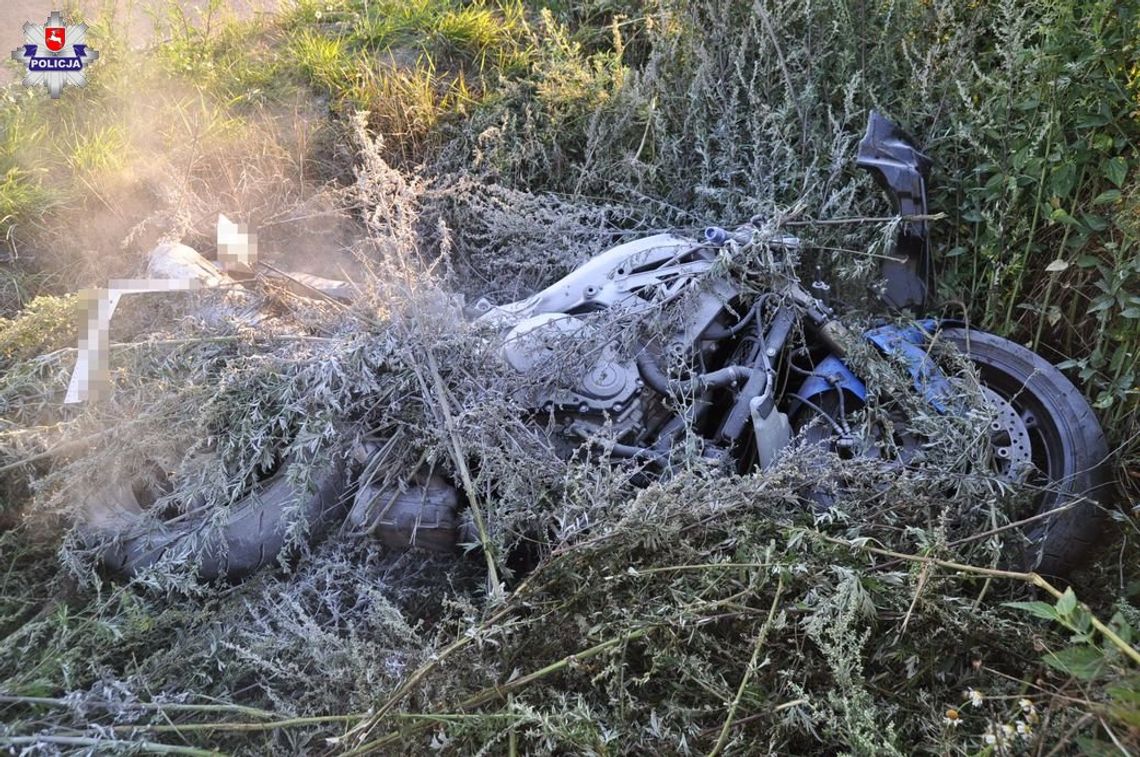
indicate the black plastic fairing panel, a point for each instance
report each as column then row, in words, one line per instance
column 900, row 169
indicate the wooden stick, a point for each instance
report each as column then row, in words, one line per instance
column 241, row 726
column 170, row 706
column 465, row 475
column 863, row 219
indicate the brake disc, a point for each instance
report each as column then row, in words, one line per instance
column 1009, row 438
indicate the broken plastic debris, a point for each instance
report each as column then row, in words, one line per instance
column 172, row 267
column 172, row 260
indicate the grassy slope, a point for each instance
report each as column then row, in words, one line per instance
column 626, row 107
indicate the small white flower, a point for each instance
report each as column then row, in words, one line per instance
column 1024, row 730
column 1025, row 705
column 952, row 718
column 989, row 738
column 975, row 697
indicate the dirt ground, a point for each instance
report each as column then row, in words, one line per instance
column 139, row 14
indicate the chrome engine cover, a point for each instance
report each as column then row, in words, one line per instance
column 607, row 383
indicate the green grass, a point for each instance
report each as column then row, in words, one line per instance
column 323, row 60
column 476, row 33
column 24, row 196
column 46, row 323
column 412, row 66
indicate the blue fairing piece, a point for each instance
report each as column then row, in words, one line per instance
column 912, row 344
column 830, row 374
column 909, row 342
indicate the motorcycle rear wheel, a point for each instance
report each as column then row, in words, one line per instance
column 1067, row 447
column 127, row 538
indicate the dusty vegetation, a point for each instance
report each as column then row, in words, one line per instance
column 437, row 147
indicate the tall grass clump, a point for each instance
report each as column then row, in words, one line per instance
column 410, row 66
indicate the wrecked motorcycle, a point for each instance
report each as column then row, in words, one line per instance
column 741, row 367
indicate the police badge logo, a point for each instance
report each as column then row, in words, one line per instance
column 65, row 59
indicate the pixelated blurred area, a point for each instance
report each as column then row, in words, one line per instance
column 237, row 246
column 90, row 380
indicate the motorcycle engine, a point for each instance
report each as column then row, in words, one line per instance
column 592, row 381
column 586, row 372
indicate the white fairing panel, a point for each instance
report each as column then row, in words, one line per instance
column 611, row 278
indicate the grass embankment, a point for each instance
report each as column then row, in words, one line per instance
column 502, row 143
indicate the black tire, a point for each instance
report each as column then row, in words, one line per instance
column 1068, row 448
column 127, row 539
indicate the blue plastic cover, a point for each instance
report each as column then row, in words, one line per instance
column 909, row 342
